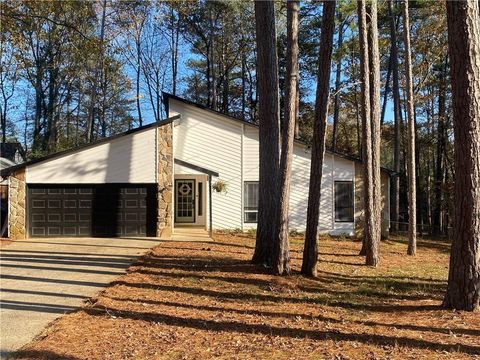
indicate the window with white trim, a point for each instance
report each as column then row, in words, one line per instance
column 344, row 200
column 250, row 201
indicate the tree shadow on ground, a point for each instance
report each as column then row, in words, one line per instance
column 41, row 355
column 260, row 297
column 441, row 245
column 325, row 287
column 264, row 313
column 378, row 285
column 241, row 327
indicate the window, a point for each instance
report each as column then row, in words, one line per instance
column 250, row 201
column 343, row 201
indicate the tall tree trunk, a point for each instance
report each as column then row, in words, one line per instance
column 269, row 128
column 174, row 36
column 397, row 115
column 93, row 100
column 372, row 250
column 412, row 196
column 297, row 111
column 338, row 74
column 310, row 251
column 213, row 74
column 282, row 255
column 209, row 78
column 357, row 105
column 139, row 67
column 387, row 88
column 36, row 144
column 463, row 19
column 52, row 72
column 244, row 96
column 430, row 161
column 441, row 145
column 369, row 212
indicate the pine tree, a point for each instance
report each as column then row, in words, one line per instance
column 269, row 128
column 463, row 291
column 310, row 251
column 282, row 257
column 412, row 199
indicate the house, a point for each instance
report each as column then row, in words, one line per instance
column 196, row 168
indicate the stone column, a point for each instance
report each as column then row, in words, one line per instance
column 165, row 180
column 17, row 204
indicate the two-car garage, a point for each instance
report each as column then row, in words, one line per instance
column 105, row 189
column 104, row 210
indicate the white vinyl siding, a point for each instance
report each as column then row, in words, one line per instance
column 250, row 154
column 230, row 148
column 127, row 159
column 208, row 140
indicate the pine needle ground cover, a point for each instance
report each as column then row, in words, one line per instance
column 192, row 300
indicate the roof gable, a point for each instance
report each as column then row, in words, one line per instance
column 167, row 97
column 9, row 170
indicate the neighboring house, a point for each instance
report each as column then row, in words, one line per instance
column 11, row 153
column 197, row 168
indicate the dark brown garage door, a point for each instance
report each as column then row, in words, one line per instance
column 91, row 210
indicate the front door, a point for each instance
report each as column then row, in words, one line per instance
column 185, row 201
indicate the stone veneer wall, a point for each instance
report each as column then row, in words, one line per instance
column 17, row 205
column 165, row 180
column 359, row 204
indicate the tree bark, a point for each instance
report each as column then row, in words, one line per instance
column 387, row 88
column 297, row 112
column 397, row 115
column 282, row 255
column 93, row 100
column 412, row 196
column 463, row 18
column 369, row 229
column 310, row 251
column 174, row 37
column 269, row 128
column 441, row 145
column 372, row 246
column 338, row 73
column 138, row 44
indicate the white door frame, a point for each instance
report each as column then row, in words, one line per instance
column 185, row 201
column 200, row 180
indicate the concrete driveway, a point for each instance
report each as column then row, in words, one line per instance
column 41, row 279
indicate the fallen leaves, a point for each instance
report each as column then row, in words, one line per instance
column 195, row 301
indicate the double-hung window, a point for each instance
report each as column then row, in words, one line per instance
column 344, row 201
column 250, row 201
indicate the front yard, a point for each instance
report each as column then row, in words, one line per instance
column 204, row 300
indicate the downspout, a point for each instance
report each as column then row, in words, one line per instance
column 210, row 230
column 241, row 180
column 9, row 203
column 333, row 193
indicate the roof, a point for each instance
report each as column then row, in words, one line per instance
column 196, row 167
column 167, row 96
column 11, row 169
